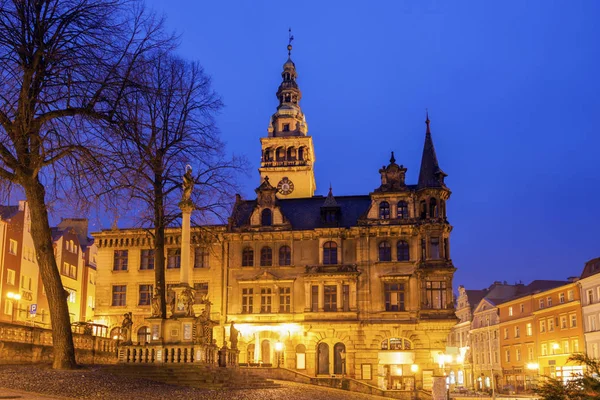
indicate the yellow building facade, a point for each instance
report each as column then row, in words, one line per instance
column 359, row 286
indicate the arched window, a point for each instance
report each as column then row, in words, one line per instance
column 402, row 210
column 115, row 333
column 301, row 356
column 423, row 209
column 301, row 153
column 396, row 344
column 291, row 154
column 385, row 251
column 285, row 255
column 250, row 353
column 280, row 154
column 330, row 253
column 269, row 154
column 384, row 210
column 442, row 209
column 266, row 217
column 433, row 210
column 143, row 335
column 247, row 257
column 266, row 257
column 403, row 251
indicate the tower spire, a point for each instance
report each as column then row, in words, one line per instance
column 289, row 46
column 430, row 175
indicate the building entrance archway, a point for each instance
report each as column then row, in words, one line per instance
column 339, row 358
column 265, row 351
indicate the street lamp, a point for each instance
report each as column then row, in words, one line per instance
column 534, row 368
column 14, row 296
column 278, row 349
column 414, row 369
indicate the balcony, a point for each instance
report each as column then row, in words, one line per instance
column 285, row 163
column 332, row 269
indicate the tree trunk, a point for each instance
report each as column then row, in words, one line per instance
column 159, row 245
column 62, row 337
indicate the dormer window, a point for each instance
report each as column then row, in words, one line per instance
column 286, row 127
column 266, row 217
column 330, row 216
column 384, row 210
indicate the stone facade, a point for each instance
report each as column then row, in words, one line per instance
column 357, row 286
column 590, row 300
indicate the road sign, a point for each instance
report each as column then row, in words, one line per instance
column 33, row 309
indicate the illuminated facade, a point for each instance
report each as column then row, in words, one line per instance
column 21, row 284
column 349, row 285
column 590, row 301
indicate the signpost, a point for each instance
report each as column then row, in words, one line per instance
column 32, row 310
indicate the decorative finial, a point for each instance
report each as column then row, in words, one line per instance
column 330, row 190
column 427, row 120
column 392, row 158
column 289, row 46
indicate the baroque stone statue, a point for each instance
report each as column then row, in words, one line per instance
column 233, row 336
column 156, row 303
column 188, row 185
column 187, row 298
column 126, row 327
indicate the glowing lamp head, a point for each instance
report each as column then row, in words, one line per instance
column 555, row 346
column 14, row 296
column 278, row 346
column 414, row 368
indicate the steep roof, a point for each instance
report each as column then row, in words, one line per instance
column 430, row 174
column 475, row 296
column 7, row 212
column 591, row 267
column 305, row 213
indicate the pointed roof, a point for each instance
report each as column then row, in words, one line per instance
column 265, row 186
column 330, row 200
column 430, row 175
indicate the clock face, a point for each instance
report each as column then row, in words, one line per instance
column 285, row 186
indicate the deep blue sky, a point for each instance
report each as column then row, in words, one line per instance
column 512, row 89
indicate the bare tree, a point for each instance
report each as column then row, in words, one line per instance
column 166, row 124
column 64, row 67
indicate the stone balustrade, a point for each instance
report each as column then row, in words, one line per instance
column 168, row 354
column 21, row 343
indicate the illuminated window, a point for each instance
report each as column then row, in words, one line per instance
column 529, row 329
column 10, row 276
column 403, row 251
column 247, row 257
column 72, row 297
column 517, row 332
column 314, row 298
column 394, row 296
column 285, row 299
column 541, row 303
column 330, row 253
column 285, row 255
column 174, row 258
column 402, row 210
column 549, row 301
column 12, row 247
column 561, row 298
column 396, row 344
column 542, row 326
column 200, row 257
column 120, row 260
column 518, row 354
column 550, row 324
column 385, row 251
column 143, row 335
column 507, row 358
column 530, row 354
column 384, row 210
column 571, row 295
column 435, row 295
column 265, row 300
column 505, row 333
column 563, row 322
column 119, row 293
column 247, row 300
column 573, row 319
column 266, row 257
column 145, row 296
column 330, row 298
column 147, row 259
column 510, row 311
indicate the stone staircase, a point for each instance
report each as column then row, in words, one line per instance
column 198, row 376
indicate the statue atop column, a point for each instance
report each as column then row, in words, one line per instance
column 156, row 303
column 187, row 298
column 188, row 185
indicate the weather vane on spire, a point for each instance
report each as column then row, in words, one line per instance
column 291, row 38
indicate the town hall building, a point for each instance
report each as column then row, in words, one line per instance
column 357, row 286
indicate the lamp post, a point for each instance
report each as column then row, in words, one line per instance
column 534, row 368
column 14, row 297
column 278, row 349
column 414, row 369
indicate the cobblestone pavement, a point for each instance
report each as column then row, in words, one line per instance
column 95, row 383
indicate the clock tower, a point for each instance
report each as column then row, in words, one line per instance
column 287, row 151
